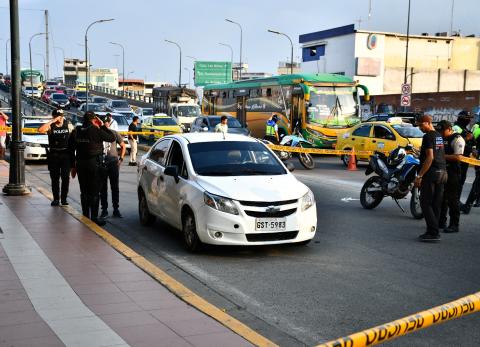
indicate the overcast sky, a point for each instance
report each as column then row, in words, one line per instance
column 143, row 25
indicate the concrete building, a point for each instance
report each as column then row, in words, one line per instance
column 107, row 78
column 148, row 86
column 73, row 71
column 284, row 68
column 132, row 85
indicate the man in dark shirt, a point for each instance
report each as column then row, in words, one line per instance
column 431, row 177
column 133, row 140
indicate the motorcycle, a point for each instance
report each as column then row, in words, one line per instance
column 296, row 140
column 395, row 176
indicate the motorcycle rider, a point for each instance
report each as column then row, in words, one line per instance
column 454, row 148
column 431, row 177
column 271, row 130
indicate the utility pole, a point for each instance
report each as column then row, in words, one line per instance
column 180, row 67
column 47, row 51
column 406, row 49
column 16, row 179
column 451, row 17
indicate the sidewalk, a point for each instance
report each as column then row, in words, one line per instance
column 61, row 284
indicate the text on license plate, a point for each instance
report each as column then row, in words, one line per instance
column 270, row 224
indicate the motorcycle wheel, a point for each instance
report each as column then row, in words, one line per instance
column 415, row 208
column 370, row 200
column 306, row 160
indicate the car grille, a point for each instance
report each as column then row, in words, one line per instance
column 275, row 214
column 289, row 235
column 267, row 203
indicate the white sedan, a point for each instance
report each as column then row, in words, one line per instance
column 224, row 190
column 35, row 144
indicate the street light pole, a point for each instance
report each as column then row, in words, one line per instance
column 6, row 56
column 123, row 65
column 241, row 44
column 231, row 55
column 189, row 75
column 44, row 63
column 291, row 45
column 86, row 56
column 180, row 68
column 406, row 49
column 63, row 61
column 30, row 54
column 16, row 179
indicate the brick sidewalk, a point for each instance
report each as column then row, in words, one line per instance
column 60, row 284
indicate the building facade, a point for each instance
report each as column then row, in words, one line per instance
column 107, row 78
column 74, row 71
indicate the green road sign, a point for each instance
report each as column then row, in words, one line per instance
column 212, row 72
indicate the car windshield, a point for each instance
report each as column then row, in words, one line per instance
column 128, row 115
column 69, row 91
column 188, row 111
column 231, row 122
column 81, row 94
column 121, row 120
column 164, row 121
column 147, row 111
column 120, row 104
column 233, row 158
column 332, row 107
column 95, row 108
column 32, row 88
column 59, row 97
column 100, row 100
column 408, row 130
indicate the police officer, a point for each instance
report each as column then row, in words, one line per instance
column 58, row 130
column 86, row 147
column 431, row 177
column 475, row 190
column 454, row 148
column 463, row 120
column 271, row 130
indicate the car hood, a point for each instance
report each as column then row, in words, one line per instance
column 41, row 139
column 254, row 188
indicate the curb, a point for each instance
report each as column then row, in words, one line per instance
column 169, row 282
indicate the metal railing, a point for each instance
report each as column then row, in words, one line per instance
column 129, row 95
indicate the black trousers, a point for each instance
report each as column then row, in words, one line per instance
column 475, row 190
column 112, row 174
column 431, row 195
column 59, row 167
column 451, row 198
column 463, row 176
column 91, row 175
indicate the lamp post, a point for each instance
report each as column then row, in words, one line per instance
column 30, row 54
column 291, row 45
column 180, row 68
column 6, row 55
column 123, row 64
column 241, row 44
column 189, row 75
column 63, row 56
column 16, row 178
column 86, row 55
column 44, row 64
column 406, row 49
column 231, row 54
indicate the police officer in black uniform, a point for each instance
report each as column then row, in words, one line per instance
column 58, row 130
column 454, row 149
column 86, row 147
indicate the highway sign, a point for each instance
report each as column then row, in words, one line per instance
column 405, row 100
column 406, row 89
column 212, row 72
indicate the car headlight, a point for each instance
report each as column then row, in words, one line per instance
column 220, row 203
column 308, row 200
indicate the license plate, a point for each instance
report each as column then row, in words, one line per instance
column 270, row 224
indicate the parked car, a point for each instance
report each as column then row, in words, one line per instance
column 208, row 124
column 59, row 100
column 224, row 191
column 159, row 125
column 31, row 91
column 78, row 98
column 118, row 106
column 407, row 117
column 35, row 144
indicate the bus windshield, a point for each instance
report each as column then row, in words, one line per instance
column 332, row 107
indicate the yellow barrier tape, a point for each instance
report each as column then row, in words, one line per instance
column 471, row 161
column 35, row 131
column 389, row 331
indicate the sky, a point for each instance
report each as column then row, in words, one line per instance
column 198, row 26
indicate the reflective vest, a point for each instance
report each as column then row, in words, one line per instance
column 270, row 128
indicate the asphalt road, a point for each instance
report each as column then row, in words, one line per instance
column 363, row 268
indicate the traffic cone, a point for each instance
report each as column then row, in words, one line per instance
column 352, row 161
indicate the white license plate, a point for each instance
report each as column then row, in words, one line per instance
column 270, row 224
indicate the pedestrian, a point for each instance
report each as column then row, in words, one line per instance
column 86, row 151
column 474, row 195
column 431, row 177
column 3, row 135
column 113, row 161
column 222, row 127
column 133, row 140
column 454, row 148
column 463, row 120
column 271, row 130
column 58, row 156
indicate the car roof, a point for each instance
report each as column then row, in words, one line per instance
column 160, row 116
column 211, row 137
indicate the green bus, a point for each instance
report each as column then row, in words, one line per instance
column 36, row 78
column 322, row 104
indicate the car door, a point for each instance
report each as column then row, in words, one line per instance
column 360, row 139
column 153, row 178
column 175, row 191
column 383, row 139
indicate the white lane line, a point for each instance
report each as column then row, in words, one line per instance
column 51, row 296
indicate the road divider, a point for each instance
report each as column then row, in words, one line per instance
column 421, row 320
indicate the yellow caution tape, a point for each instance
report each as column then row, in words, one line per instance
column 35, row 130
column 471, row 161
column 389, row 331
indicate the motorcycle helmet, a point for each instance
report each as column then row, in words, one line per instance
column 396, row 156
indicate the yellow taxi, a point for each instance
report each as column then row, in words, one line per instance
column 378, row 136
column 159, row 124
column 80, row 86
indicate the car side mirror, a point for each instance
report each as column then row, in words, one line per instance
column 290, row 167
column 172, row 171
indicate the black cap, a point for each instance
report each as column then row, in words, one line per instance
column 88, row 116
column 443, row 125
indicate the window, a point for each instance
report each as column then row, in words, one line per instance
column 313, row 53
column 381, row 132
column 159, row 152
column 176, row 159
column 362, row 131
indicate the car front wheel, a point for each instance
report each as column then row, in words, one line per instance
column 190, row 236
column 146, row 218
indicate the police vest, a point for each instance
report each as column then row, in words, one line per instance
column 58, row 136
column 270, row 128
column 87, row 146
column 451, row 165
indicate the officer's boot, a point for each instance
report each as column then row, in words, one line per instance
column 95, row 202
column 85, row 205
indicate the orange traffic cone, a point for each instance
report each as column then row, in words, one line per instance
column 352, row 161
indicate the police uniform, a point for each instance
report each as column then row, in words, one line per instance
column 475, row 190
column 454, row 145
column 59, row 160
column 86, row 146
column 271, row 129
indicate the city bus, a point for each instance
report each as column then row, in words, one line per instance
column 321, row 105
column 32, row 78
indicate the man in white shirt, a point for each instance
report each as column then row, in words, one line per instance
column 222, row 127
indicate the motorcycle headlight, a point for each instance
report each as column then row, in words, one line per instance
column 220, row 203
column 308, row 200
